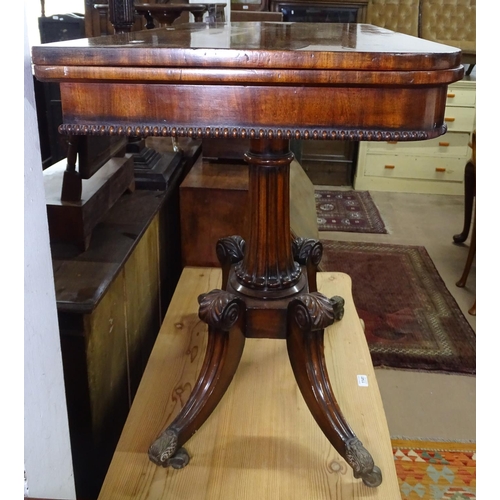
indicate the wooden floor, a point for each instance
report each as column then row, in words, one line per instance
column 261, row 442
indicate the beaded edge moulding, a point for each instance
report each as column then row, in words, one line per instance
column 251, row 133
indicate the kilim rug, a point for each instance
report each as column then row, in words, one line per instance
column 351, row 211
column 411, row 319
column 430, row 470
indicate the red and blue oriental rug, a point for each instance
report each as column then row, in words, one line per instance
column 411, row 319
column 350, row 211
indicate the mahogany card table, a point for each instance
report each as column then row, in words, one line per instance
column 268, row 83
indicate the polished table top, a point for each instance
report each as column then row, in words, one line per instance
column 285, row 45
column 299, row 80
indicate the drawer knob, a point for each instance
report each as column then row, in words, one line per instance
column 450, row 95
column 389, row 166
column 440, row 169
column 449, row 119
column 444, row 144
column 392, row 142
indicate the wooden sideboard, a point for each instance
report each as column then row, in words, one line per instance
column 111, row 300
column 328, row 163
column 433, row 166
column 112, row 296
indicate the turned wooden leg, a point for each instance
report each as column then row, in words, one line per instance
column 308, row 316
column 469, row 194
column 224, row 314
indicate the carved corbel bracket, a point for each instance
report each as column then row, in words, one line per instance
column 314, row 311
column 308, row 252
column 219, row 309
column 230, row 250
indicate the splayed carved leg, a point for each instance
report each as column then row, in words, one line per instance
column 308, row 316
column 224, row 314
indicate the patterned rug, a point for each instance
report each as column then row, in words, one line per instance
column 351, row 211
column 430, row 470
column 411, row 319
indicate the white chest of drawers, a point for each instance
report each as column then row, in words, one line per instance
column 433, row 166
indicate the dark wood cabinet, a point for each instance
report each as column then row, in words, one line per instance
column 321, row 11
column 110, row 301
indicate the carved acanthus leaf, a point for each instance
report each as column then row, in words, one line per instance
column 358, row 457
column 219, row 309
column 164, row 447
column 230, row 249
column 314, row 311
column 307, row 248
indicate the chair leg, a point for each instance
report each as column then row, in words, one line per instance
column 469, row 69
column 470, row 258
column 472, row 310
column 469, row 194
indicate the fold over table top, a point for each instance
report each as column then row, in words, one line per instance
column 300, row 80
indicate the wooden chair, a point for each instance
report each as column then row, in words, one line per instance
column 470, row 217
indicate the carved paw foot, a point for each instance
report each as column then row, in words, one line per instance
column 373, row 478
column 164, row 451
column 362, row 463
column 179, row 460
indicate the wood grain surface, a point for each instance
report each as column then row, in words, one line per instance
column 261, row 441
column 253, row 80
column 256, row 45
